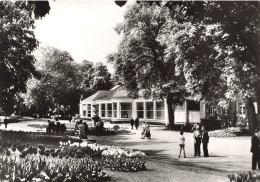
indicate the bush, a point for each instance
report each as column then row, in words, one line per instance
column 249, row 176
column 116, row 127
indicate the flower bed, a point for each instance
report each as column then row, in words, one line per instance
column 222, row 133
column 32, row 136
column 250, row 176
column 34, row 168
column 113, row 158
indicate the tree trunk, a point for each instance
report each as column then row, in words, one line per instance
column 169, row 101
column 251, row 115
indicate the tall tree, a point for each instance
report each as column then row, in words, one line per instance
column 221, row 53
column 95, row 78
column 143, row 59
column 59, row 82
column 17, row 41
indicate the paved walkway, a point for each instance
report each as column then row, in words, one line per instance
column 228, row 154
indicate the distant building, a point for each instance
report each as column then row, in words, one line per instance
column 116, row 106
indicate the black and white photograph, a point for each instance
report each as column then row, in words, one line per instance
column 129, row 91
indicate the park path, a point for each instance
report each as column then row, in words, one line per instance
column 227, row 154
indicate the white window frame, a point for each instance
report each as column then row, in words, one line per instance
column 225, row 111
column 102, row 110
column 242, row 108
column 84, row 109
column 131, row 111
column 88, row 110
column 109, row 110
column 161, row 111
column 211, row 110
column 114, row 114
column 137, row 110
column 146, row 110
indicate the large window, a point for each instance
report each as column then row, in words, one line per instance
column 149, row 110
column 160, row 110
column 211, row 110
column 140, row 110
column 224, row 111
column 103, row 110
column 84, row 108
column 89, row 110
column 109, row 110
column 126, row 110
column 242, row 108
column 115, row 109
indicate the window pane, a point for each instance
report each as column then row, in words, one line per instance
column 109, row 113
column 109, row 106
column 103, row 114
column 160, row 115
column 140, row 106
column 103, row 106
column 89, row 107
column 84, row 113
column 149, row 114
column 89, row 113
column 115, row 114
column 159, row 106
column 126, row 106
column 149, row 105
column 115, row 106
column 126, row 114
column 140, row 114
column 84, row 107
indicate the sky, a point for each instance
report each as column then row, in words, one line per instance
column 84, row 28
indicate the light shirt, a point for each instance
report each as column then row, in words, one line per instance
column 181, row 140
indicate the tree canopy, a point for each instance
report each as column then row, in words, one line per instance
column 143, row 59
column 17, row 41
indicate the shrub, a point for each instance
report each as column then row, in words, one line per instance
column 249, row 176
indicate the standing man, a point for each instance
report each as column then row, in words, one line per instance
column 197, row 141
column 255, row 149
column 136, row 123
column 205, row 141
column 132, row 122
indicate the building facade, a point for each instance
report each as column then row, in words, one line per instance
column 115, row 105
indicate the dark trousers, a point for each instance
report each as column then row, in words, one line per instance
column 255, row 160
column 197, row 149
column 205, row 149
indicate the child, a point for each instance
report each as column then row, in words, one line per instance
column 182, row 144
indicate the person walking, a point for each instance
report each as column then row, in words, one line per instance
column 132, row 122
column 182, row 144
column 255, row 149
column 205, row 141
column 136, row 123
column 197, row 141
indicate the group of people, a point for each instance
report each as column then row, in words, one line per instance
column 200, row 135
column 81, row 129
column 146, row 133
column 134, row 122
